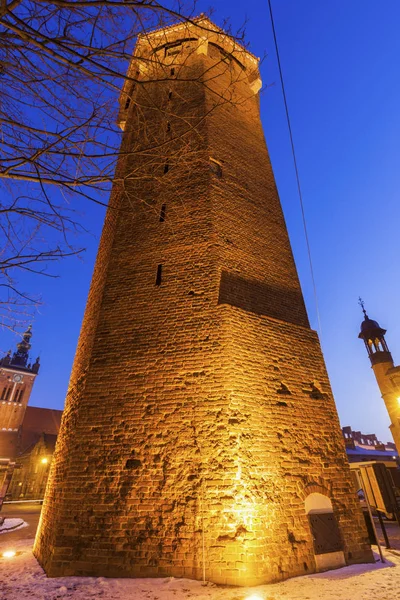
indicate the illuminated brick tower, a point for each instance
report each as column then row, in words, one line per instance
column 387, row 375
column 200, row 436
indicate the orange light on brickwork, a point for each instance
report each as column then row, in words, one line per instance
column 254, row 597
column 242, row 516
column 9, row 554
column 398, row 400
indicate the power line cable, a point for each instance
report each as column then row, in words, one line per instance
column 296, row 170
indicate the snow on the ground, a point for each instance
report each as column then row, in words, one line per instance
column 12, row 524
column 21, row 578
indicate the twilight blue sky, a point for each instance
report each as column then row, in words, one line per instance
column 341, row 66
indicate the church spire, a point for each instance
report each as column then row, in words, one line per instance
column 362, row 304
column 374, row 339
column 387, row 375
column 21, row 356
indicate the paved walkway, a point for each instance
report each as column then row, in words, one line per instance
column 24, row 578
column 29, row 512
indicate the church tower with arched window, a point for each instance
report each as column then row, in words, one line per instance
column 200, row 437
column 17, row 376
column 386, row 373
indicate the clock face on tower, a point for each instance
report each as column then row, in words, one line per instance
column 17, row 378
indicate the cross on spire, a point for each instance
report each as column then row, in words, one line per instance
column 362, row 304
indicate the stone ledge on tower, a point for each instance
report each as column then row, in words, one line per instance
column 167, row 51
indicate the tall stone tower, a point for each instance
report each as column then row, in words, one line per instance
column 387, row 375
column 200, row 437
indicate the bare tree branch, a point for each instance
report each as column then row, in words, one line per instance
column 62, row 66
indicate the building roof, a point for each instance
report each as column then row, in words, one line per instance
column 49, row 440
column 8, row 444
column 357, row 451
column 38, row 421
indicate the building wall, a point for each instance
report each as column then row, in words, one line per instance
column 14, row 396
column 31, row 473
column 177, row 450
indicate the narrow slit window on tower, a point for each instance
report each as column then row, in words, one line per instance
column 168, row 126
column 159, row 275
column 169, row 95
column 129, row 97
column 162, row 213
column 216, row 167
column 172, row 72
column 166, row 166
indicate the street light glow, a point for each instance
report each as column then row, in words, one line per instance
column 254, row 597
column 9, row 554
column 44, row 461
